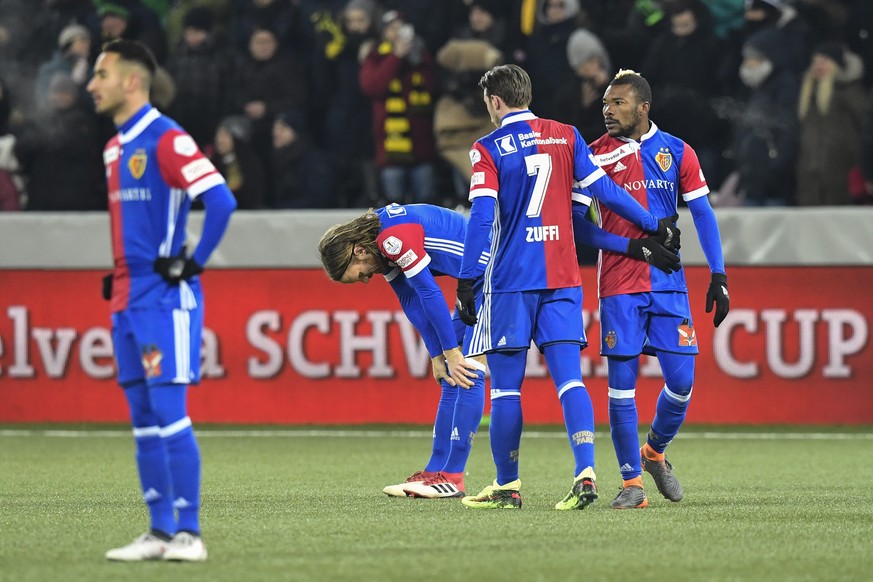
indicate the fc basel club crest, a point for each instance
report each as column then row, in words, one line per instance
column 137, row 163
column 664, row 159
column 611, row 339
column 687, row 335
column 151, row 361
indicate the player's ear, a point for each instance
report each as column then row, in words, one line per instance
column 359, row 251
column 130, row 81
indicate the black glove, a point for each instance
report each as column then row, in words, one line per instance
column 718, row 294
column 107, row 287
column 178, row 268
column 668, row 234
column 466, row 302
column 650, row 251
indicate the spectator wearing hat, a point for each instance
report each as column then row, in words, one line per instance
column 204, row 74
column 795, row 39
column 174, row 23
column 765, row 125
column 235, row 159
column 831, row 109
column 794, row 30
column 579, row 101
column 59, row 153
column 72, row 58
column 302, row 175
column 399, row 77
column 131, row 20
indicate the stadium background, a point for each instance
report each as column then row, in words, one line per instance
column 286, row 346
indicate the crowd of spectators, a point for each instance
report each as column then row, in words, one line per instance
column 350, row 103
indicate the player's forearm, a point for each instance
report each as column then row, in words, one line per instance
column 707, row 232
column 478, row 230
column 220, row 204
column 594, row 236
column 414, row 312
column 623, row 204
column 433, row 303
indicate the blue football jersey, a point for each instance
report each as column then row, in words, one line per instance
column 416, row 236
column 530, row 166
column 421, row 242
column 154, row 170
column 655, row 171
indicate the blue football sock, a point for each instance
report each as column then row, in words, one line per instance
column 566, row 371
column 623, row 427
column 623, row 417
column 442, row 428
column 468, row 415
column 673, row 401
column 669, row 416
column 505, row 431
column 169, row 403
column 151, row 460
column 579, row 420
column 184, row 457
column 154, row 473
column 507, row 372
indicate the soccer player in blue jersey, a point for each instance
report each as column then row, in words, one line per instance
column 410, row 245
column 523, row 200
column 643, row 310
column 154, row 170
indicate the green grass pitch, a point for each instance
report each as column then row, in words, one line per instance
column 296, row 504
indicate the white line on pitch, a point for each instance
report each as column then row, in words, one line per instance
column 363, row 433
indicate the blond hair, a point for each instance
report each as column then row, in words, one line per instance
column 337, row 246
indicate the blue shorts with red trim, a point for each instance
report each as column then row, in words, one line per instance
column 645, row 323
column 158, row 346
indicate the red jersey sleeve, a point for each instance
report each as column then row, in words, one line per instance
column 692, row 184
column 184, row 166
column 484, row 181
column 403, row 245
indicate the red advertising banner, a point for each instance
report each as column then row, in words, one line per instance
column 291, row 347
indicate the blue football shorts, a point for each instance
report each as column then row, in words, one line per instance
column 159, row 346
column 509, row 321
column 637, row 323
column 464, row 332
